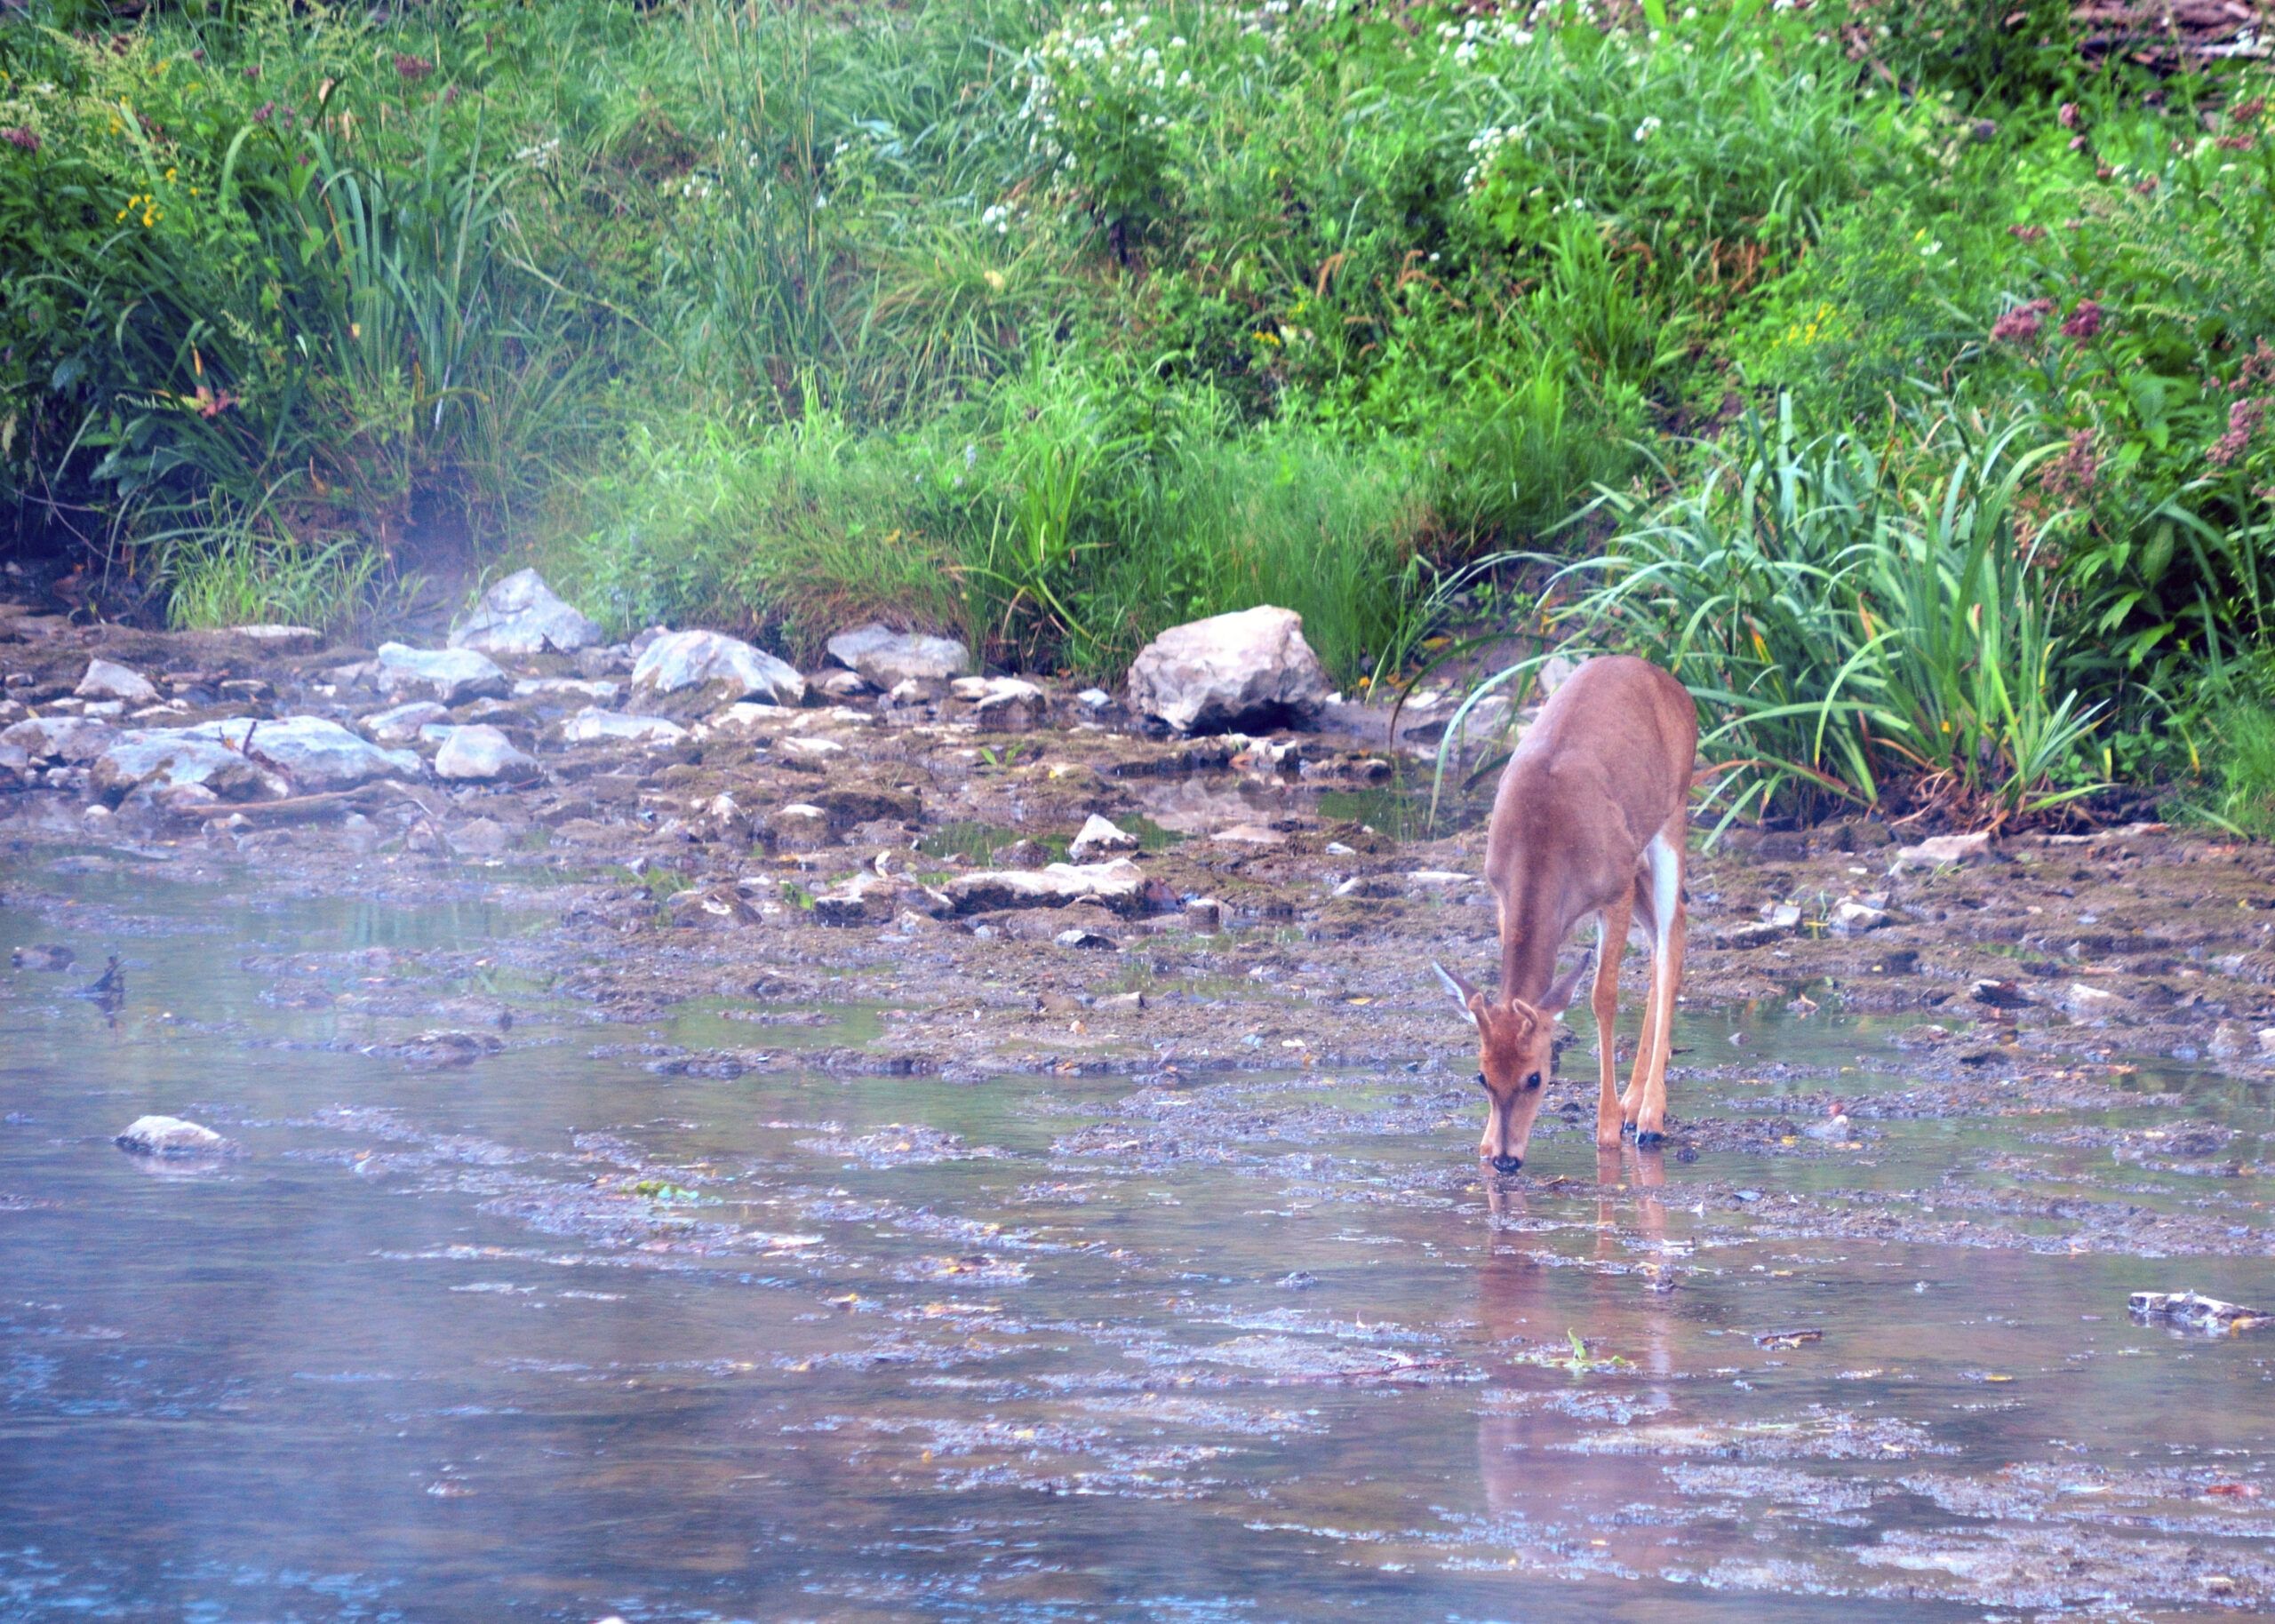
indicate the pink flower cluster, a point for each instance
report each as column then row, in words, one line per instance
column 2020, row 324
column 2244, row 419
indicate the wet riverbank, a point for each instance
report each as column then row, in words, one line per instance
column 605, row 1230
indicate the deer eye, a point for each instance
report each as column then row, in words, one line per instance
column 1533, row 1082
column 1481, row 1079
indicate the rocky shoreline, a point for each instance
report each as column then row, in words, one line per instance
column 1024, row 877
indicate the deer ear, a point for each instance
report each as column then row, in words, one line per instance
column 1463, row 994
column 1559, row 997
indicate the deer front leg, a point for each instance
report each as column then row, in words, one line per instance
column 1613, row 923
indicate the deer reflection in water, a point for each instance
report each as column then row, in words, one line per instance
column 1561, row 1509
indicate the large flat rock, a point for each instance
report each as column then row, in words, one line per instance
column 520, row 615
column 1251, row 671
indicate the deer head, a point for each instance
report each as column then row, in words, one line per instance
column 1516, row 1044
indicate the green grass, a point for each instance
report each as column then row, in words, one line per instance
column 1050, row 324
column 2243, row 797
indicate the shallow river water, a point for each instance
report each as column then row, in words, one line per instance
column 547, row 1333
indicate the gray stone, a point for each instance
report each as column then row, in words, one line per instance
column 592, row 725
column 2091, row 1003
column 1250, row 670
column 1851, row 917
column 1099, row 838
column 480, row 837
column 1752, row 933
column 109, row 679
column 169, row 1136
column 15, row 766
column 275, row 639
column 844, row 685
column 1011, row 703
column 72, row 740
column 316, row 754
column 1941, row 851
column 452, row 675
column 401, row 724
column 678, row 662
column 870, row 897
column 163, row 759
column 567, row 688
column 886, row 657
column 480, row 754
column 1119, row 884
column 520, row 615
column 799, row 751
column 1080, row 938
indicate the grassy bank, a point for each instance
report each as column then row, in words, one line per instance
column 1896, row 375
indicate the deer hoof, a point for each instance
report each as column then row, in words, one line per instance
column 1649, row 1139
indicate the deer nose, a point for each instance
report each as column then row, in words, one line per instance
column 1507, row 1164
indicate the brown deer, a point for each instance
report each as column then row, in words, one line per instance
column 1590, row 820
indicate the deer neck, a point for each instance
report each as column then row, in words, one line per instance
column 1532, row 928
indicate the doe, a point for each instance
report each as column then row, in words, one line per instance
column 1590, row 820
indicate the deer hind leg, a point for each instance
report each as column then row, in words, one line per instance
column 1612, row 942
column 1639, row 910
column 1666, row 858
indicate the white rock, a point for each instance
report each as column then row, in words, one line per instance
column 169, row 1136
column 1006, row 702
column 1094, row 699
column 879, row 897
column 315, row 754
column 72, row 740
column 1852, row 917
column 480, row 754
column 275, row 639
column 844, row 684
column 1440, row 879
column 108, row 680
column 800, row 749
column 678, row 661
column 452, row 675
column 1250, row 670
column 592, row 725
column 2092, row 1003
column 1942, row 850
column 1117, row 884
column 519, row 616
column 401, row 724
column 1080, row 938
column 887, row 658
column 566, row 688
column 140, row 763
column 1098, row 838
column 1249, row 834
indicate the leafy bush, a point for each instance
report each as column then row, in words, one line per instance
column 1872, row 630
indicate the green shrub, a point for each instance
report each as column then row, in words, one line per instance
column 1869, row 628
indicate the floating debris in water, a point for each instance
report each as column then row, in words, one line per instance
column 2190, row 1312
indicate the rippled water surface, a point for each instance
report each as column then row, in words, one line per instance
column 544, row 1334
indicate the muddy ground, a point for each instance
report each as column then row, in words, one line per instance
column 1295, row 887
